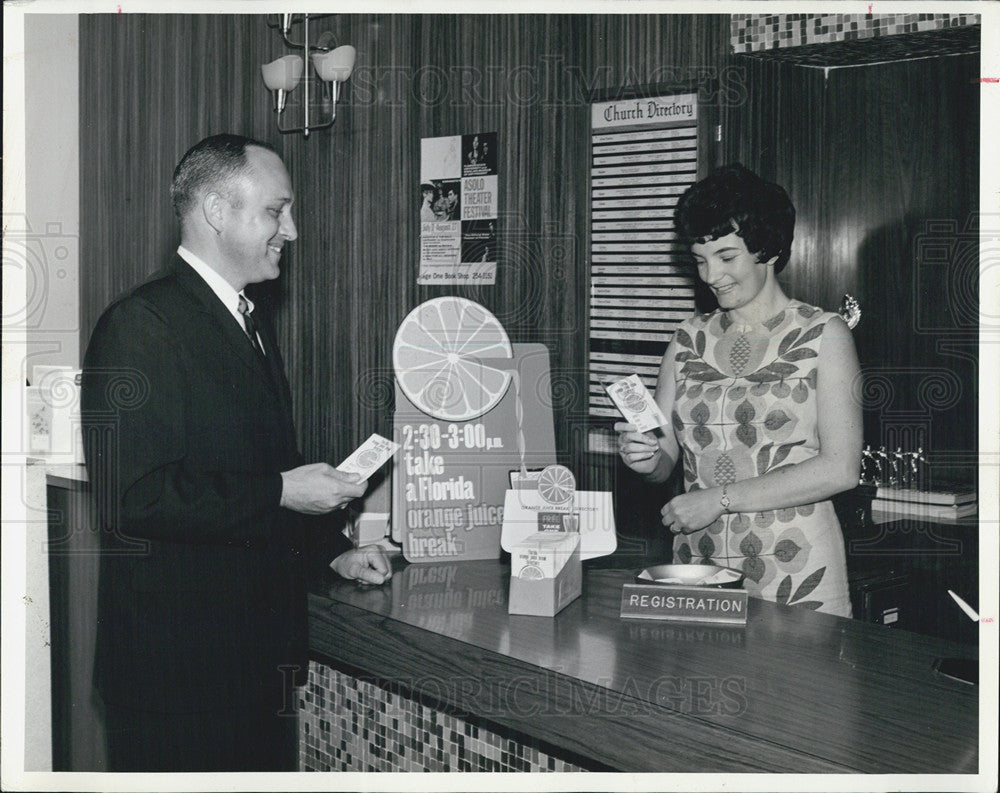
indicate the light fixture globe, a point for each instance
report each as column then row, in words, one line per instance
column 336, row 65
column 283, row 74
column 318, row 108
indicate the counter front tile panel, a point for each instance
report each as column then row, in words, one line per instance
column 349, row 724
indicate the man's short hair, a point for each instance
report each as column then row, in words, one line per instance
column 211, row 164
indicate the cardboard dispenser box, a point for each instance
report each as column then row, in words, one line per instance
column 545, row 573
column 547, row 544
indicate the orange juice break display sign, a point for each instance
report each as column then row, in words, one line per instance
column 462, row 426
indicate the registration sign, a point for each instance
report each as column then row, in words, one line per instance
column 684, row 603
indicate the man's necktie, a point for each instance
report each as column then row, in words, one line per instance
column 250, row 325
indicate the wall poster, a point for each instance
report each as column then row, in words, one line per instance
column 644, row 155
column 458, row 209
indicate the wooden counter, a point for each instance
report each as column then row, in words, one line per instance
column 793, row 691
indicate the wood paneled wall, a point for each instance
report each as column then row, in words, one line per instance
column 153, row 85
column 882, row 163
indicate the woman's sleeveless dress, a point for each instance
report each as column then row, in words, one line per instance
column 745, row 404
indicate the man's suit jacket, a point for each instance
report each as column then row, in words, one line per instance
column 186, row 431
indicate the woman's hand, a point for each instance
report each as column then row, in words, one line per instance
column 693, row 510
column 640, row 451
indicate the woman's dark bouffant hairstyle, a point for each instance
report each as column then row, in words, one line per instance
column 734, row 199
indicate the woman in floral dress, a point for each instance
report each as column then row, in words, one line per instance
column 760, row 397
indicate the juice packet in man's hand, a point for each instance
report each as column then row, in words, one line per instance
column 369, row 456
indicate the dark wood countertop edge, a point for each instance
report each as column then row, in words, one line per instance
column 68, row 476
column 618, row 732
column 66, row 483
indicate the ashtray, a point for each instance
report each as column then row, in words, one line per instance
column 706, row 575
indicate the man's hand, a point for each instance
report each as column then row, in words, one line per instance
column 366, row 564
column 318, row 488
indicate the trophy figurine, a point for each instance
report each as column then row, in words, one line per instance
column 918, row 468
column 881, row 465
column 868, row 476
column 896, row 468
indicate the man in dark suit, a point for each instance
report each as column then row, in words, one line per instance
column 209, row 518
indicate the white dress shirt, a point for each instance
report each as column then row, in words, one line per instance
column 223, row 289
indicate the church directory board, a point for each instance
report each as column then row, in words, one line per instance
column 644, row 155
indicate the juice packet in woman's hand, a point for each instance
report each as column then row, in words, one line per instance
column 636, row 404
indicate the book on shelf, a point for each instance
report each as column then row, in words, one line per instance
column 960, row 494
column 912, row 509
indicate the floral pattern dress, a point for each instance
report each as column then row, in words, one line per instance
column 745, row 404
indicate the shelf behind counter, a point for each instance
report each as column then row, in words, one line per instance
column 792, row 691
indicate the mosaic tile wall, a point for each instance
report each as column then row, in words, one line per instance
column 756, row 32
column 346, row 724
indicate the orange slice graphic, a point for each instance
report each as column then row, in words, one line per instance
column 435, row 358
column 556, row 484
column 367, row 458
